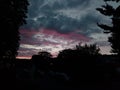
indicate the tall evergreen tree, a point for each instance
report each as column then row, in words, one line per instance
column 13, row 14
column 114, row 30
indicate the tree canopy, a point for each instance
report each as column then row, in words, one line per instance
column 114, row 30
column 79, row 50
column 13, row 14
column 44, row 54
column 92, row 49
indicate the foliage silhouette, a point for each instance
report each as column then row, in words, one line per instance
column 13, row 14
column 114, row 30
column 91, row 50
column 44, row 54
column 75, row 62
column 41, row 62
column 79, row 50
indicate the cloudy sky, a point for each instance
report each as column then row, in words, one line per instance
column 53, row 25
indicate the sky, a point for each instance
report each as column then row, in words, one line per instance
column 54, row 25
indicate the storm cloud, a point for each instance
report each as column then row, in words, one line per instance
column 63, row 16
column 58, row 24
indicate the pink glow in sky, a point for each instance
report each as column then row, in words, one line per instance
column 32, row 41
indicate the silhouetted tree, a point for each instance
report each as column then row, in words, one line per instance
column 13, row 14
column 88, row 49
column 44, row 55
column 41, row 61
column 66, row 53
column 114, row 30
column 78, row 52
column 45, row 59
column 72, row 60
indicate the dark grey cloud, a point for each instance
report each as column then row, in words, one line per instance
column 56, row 14
column 34, row 7
column 88, row 23
column 57, row 4
column 60, row 23
column 76, row 3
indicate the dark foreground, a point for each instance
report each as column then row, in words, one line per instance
column 97, row 73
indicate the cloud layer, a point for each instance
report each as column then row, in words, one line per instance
column 48, row 40
column 63, row 15
column 58, row 24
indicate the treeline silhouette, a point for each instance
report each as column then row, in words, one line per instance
column 81, row 67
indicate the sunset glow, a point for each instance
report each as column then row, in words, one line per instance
column 51, row 28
